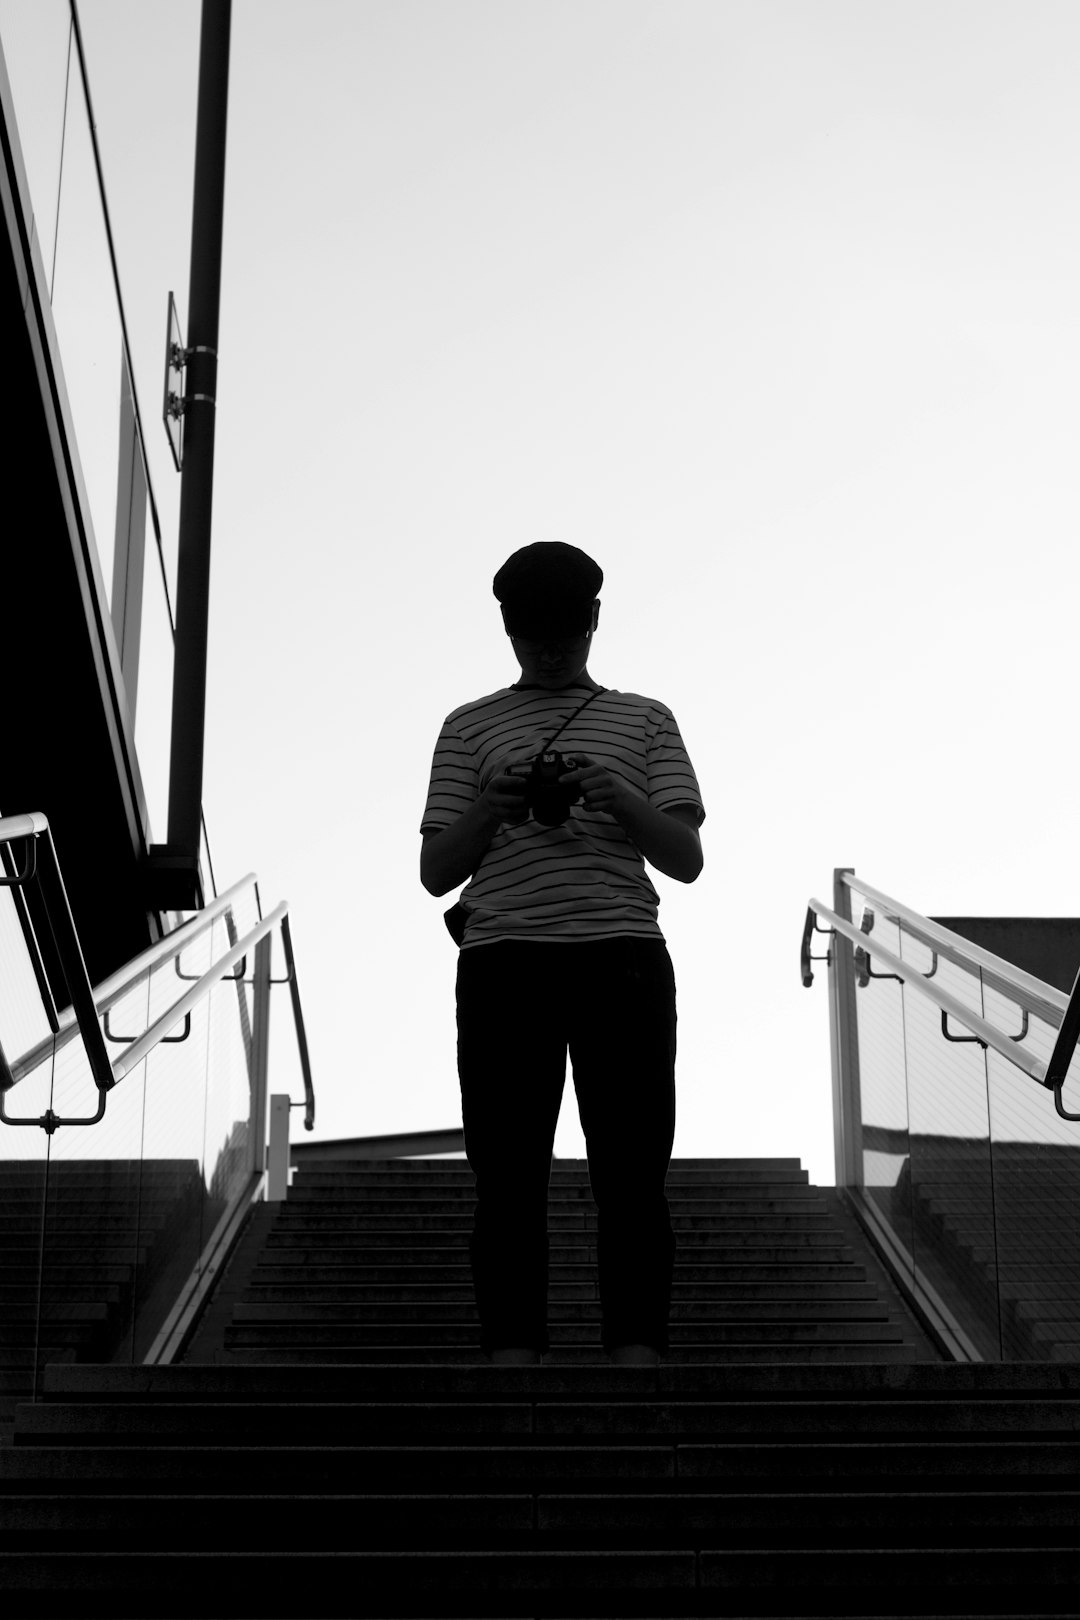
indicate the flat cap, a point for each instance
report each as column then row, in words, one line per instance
column 547, row 588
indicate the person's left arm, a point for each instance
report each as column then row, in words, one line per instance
column 668, row 839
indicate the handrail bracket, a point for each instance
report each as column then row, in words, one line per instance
column 960, row 1039
column 812, row 926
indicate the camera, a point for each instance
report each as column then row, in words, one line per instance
column 547, row 797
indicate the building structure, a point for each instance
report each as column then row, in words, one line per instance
column 134, row 1168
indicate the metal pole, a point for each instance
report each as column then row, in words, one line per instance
column 843, row 1022
column 259, row 1069
column 197, row 479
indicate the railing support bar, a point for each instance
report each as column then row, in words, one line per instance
column 298, row 1020
column 259, row 1062
column 847, row 1102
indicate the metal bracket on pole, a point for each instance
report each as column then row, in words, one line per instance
column 959, row 1039
column 1060, row 1106
column 237, row 977
column 29, row 869
column 128, row 1040
column 172, row 410
column 1023, row 1026
column 864, row 972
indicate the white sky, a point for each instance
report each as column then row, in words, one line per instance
column 773, row 307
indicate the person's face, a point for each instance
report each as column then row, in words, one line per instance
column 555, row 661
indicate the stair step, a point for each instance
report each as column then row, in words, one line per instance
column 449, row 1198
column 326, row 1226
column 436, row 1313
column 618, row 1583
column 383, row 1422
column 564, row 1356
column 428, row 1521
column 404, row 1249
column 330, row 1338
column 925, row 1382
column 417, row 1274
column 422, row 1168
column 736, row 1175
column 686, row 1297
column 567, row 1469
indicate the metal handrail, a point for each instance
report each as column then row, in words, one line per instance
column 298, row 1020
column 146, row 1042
column 223, row 968
column 88, row 1005
column 1023, row 988
column 1050, row 1074
column 1028, row 992
column 119, row 984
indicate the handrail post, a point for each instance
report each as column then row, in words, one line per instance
column 260, row 1050
column 277, row 1154
column 844, row 1044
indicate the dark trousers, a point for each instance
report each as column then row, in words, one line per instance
column 521, row 1007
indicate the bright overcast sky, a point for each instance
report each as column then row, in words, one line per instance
column 773, row 306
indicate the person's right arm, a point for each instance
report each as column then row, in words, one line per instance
column 451, row 855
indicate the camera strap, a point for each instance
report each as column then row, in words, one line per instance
column 571, row 718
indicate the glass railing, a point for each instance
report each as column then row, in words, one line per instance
column 949, row 1146
column 104, row 1227
column 104, row 349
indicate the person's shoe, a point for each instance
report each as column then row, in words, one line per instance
column 516, row 1356
column 635, row 1355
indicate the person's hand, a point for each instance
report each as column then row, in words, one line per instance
column 599, row 789
column 504, row 796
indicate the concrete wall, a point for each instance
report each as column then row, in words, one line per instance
column 1048, row 947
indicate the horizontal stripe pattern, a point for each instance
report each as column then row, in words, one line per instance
column 586, row 879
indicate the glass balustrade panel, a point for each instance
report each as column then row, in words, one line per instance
column 230, row 1152
column 24, row 1167
column 92, row 1235
column 883, row 1084
column 131, row 1202
column 173, row 1159
column 1036, row 1162
column 986, row 1196
column 952, row 1206
column 22, row 1017
column 24, row 1150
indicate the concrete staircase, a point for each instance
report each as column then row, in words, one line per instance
column 366, row 1263
column 354, row 1466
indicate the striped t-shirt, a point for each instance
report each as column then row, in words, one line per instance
column 586, row 879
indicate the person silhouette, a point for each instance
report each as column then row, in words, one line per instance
column 547, row 798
